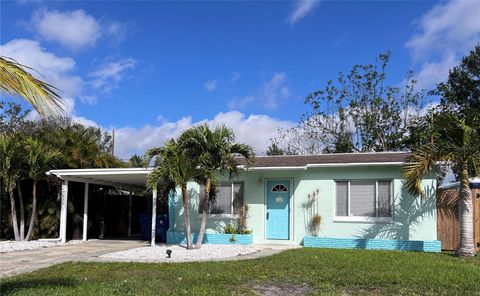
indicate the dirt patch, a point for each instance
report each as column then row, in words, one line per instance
column 280, row 289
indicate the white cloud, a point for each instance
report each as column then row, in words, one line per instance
column 268, row 95
column 109, row 75
column 89, row 99
column 434, row 72
column 235, row 76
column 255, row 130
column 211, row 85
column 85, row 121
column 116, row 30
column 73, row 29
column 57, row 71
column 301, row 9
column 448, row 31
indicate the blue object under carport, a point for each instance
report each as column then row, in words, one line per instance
column 160, row 229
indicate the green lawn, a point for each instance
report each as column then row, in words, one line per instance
column 314, row 271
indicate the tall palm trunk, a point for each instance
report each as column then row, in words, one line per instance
column 22, row 211
column 33, row 215
column 466, row 246
column 186, row 216
column 13, row 210
column 204, row 208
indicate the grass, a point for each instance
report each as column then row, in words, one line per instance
column 314, row 271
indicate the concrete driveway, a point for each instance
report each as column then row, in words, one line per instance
column 25, row 261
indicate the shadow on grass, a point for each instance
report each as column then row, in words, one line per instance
column 9, row 287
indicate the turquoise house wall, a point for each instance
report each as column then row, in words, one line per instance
column 412, row 218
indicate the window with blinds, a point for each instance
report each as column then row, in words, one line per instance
column 228, row 199
column 363, row 199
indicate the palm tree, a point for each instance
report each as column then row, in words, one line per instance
column 80, row 146
column 175, row 169
column 455, row 142
column 82, row 149
column 138, row 161
column 10, row 170
column 39, row 160
column 16, row 80
column 215, row 153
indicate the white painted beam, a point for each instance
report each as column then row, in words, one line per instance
column 92, row 181
column 130, row 214
column 154, row 215
column 63, row 212
column 85, row 212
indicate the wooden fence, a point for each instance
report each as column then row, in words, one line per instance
column 448, row 228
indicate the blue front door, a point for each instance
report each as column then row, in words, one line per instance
column 278, row 209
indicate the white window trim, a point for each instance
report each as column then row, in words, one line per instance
column 363, row 219
column 232, row 197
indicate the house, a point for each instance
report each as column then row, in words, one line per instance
column 359, row 197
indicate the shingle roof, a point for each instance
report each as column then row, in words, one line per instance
column 335, row 158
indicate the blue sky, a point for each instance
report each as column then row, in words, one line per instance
column 151, row 69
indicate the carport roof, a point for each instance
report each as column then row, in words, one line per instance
column 118, row 177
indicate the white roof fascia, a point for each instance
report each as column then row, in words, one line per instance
column 82, row 175
column 94, row 181
column 350, row 164
column 323, row 165
column 285, row 168
column 86, row 172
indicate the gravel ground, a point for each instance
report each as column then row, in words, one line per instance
column 180, row 253
column 10, row 246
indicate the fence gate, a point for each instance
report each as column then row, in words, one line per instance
column 448, row 227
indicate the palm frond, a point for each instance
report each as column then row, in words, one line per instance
column 16, row 80
column 419, row 163
column 244, row 150
column 154, row 177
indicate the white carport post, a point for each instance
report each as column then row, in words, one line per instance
column 154, row 215
column 63, row 212
column 129, row 214
column 85, row 212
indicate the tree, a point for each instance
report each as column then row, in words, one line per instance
column 461, row 92
column 16, row 80
column 273, row 150
column 360, row 112
column 174, row 169
column 12, row 118
column 214, row 151
column 80, row 146
column 138, row 161
column 10, row 170
column 454, row 140
column 39, row 159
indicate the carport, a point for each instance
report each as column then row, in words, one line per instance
column 120, row 178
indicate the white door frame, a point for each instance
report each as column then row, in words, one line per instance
column 290, row 210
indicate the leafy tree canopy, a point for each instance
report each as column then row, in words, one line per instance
column 359, row 112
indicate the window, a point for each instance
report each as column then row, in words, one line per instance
column 363, row 199
column 228, row 200
column 279, row 188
